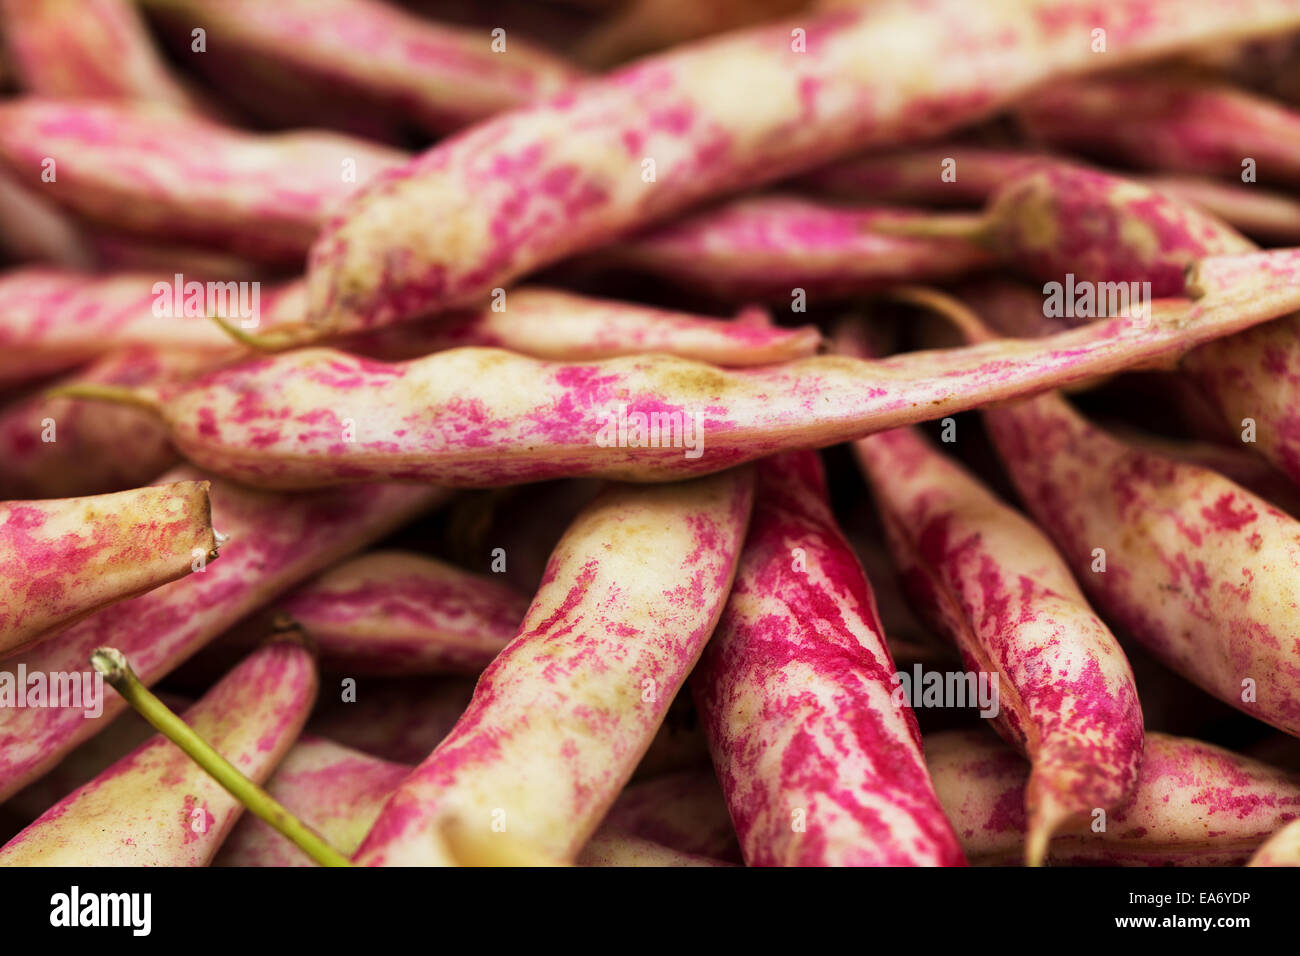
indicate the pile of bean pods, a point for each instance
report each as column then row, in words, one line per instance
column 650, row 433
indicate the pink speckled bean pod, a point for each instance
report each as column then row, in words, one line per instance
column 916, row 177
column 67, row 49
column 536, row 185
column 371, row 56
column 482, row 417
column 1170, row 124
column 1058, row 219
column 143, row 169
column 562, row 716
column 561, row 326
column 993, row 583
column 96, row 447
column 1196, row 804
column 610, row 847
column 819, row 765
column 274, row 542
column 765, row 247
column 335, row 790
column 1281, row 849
column 65, row 558
column 392, row 612
column 684, row 811
column 156, row 806
column 1198, row 569
column 52, row 320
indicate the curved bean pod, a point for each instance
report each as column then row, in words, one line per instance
column 560, row 719
column 994, row 584
column 274, row 542
column 1058, row 219
column 684, row 811
column 1195, row 805
column 95, row 447
column 34, row 229
column 561, row 326
column 156, row 806
column 335, row 790
column 820, row 766
column 538, row 184
column 765, row 247
column 390, row 612
column 67, row 49
column 610, row 847
column 1198, row 569
column 65, row 558
column 1281, row 849
column 371, row 56
column 146, row 170
column 1170, row 124
column 482, row 417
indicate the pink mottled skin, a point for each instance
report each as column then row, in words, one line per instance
column 156, row 806
column 819, row 765
column 1281, row 849
column 918, row 177
column 99, row 447
column 63, row 559
column 1058, row 218
column 561, row 717
column 483, row 417
column 535, row 185
column 144, row 169
column 993, row 583
column 35, row 229
column 1172, row 124
column 52, row 320
column 685, row 811
column 370, row 56
column 275, row 541
column 69, row 49
column 1198, row 569
column 766, row 246
column 562, row 326
column 391, row 612
column 1195, row 804
column 335, row 790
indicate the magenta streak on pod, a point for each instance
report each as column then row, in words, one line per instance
column 481, row 417
column 275, row 541
column 65, row 558
column 992, row 582
column 156, row 806
column 1195, row 804
column 560, row 719
column 144, row 169
column 1198, row 569
column 537, row 184
column 767, row 246
column 819, row 765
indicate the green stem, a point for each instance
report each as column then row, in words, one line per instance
column 113, row 665
column 106, row 393
column 275, row 340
